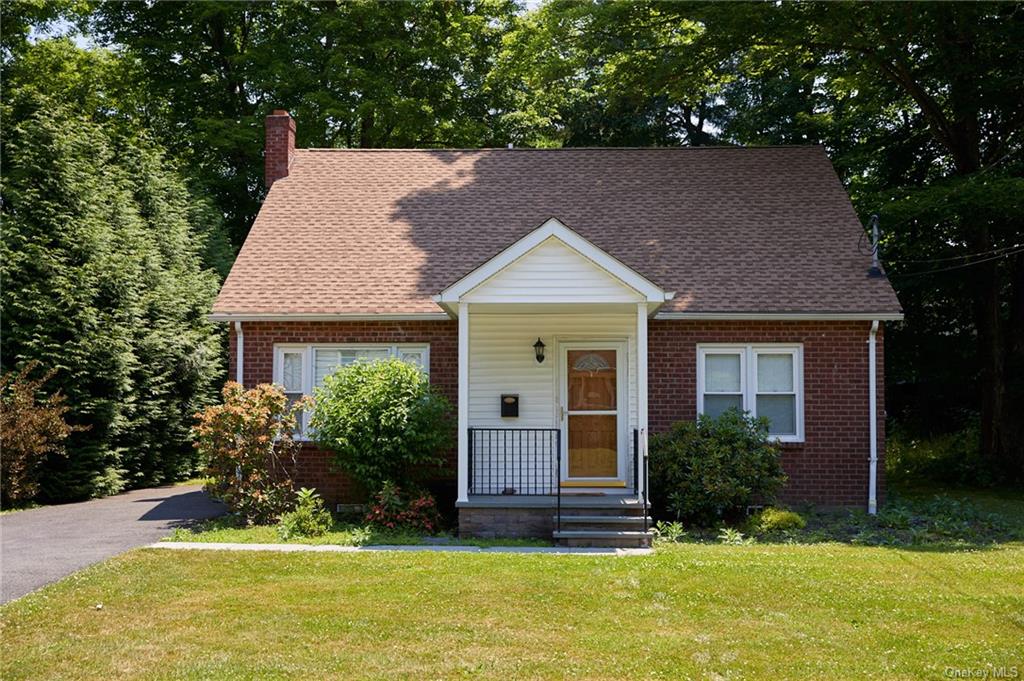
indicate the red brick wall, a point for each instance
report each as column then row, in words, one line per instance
column 830, row 467
column 314, row 469
column 279, row 146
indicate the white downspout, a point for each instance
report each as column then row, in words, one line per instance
column 239, row 359
column 873, row 420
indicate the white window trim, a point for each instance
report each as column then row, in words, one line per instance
column 307, row 350
column 748, row 376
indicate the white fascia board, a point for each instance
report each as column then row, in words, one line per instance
column 554, row 228
column 786, row 316
column 331, row 317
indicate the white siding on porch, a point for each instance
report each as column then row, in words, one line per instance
column 502, row 361
column 552, row 272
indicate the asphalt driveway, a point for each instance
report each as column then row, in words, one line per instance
column 43, row 545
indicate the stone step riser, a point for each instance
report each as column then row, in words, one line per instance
column 606, row 543
column 636, row 511
column 582, row 522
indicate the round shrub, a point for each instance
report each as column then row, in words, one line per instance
column 713, row 468
column 777, row 520
column 383, row 421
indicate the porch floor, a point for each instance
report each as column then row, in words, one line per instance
column 569, row 500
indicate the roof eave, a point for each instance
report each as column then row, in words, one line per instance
column 785, row 316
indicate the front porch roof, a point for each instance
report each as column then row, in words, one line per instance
column 624, row 284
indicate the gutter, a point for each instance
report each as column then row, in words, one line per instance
column 326, row 317
column 785, row 316
column 873, row 420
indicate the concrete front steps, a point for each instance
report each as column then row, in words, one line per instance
column 618, row 524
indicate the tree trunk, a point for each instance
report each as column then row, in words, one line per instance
column 366, row 130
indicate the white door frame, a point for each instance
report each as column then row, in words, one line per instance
column 621, row 398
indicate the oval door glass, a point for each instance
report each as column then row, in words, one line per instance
column 592, row 384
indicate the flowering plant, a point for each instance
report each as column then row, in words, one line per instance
column 250, row 448
column 393, row 510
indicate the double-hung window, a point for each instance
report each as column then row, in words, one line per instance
column 765, row 380
column 298, row 369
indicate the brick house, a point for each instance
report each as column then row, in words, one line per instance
column 569, row 302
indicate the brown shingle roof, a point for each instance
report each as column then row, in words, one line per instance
column 728, row 229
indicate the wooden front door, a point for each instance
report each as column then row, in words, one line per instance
column 592, row 410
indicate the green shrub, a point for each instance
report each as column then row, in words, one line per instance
column 309, row 519
column 777, row 520
column 895, row 517
column 947, row 459
column 714, row 468
column 383, row 421
column 249, row 444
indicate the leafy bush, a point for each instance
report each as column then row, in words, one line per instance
column 309, row 519
column 669, row 532
column 714, row 467
column 777, row 520
column 249, row 444
column 393, row 510
column 30, row 430
column 733, row 537
column 383, row 421
column 895, row 517
column 948, row 459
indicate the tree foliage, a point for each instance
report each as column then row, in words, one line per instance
column 354, row 74
column 104, row 279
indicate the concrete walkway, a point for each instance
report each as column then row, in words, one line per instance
column 432, row 548
column 42, row 545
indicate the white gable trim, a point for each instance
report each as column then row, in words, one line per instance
column 553, row 228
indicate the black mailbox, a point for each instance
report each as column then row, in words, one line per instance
column 509, row 406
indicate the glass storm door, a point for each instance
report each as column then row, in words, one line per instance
column 592, row 402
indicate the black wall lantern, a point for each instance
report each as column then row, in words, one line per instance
column 538, row 348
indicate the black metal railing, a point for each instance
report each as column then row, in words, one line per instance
column 646, row 460
column 640, row 468
column 515, row 461
column 527, row 462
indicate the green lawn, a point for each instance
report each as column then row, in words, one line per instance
column 220, row 530
column 690, row 609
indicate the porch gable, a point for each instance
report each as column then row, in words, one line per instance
column 553, row 272
column 553, row 264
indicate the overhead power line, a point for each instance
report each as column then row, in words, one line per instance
column 966, row 255
column 909, row 275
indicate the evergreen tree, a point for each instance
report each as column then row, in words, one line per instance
column 102, row 262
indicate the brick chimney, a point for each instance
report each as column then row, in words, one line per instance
column 280, row 146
